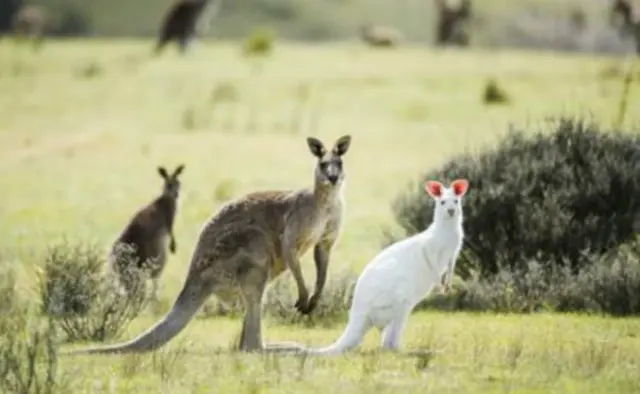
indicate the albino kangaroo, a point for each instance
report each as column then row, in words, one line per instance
column 250, row 242
column 404, row 273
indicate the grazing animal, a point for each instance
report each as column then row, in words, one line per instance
column 181, row 22
column 404, row 273
column 145, row 236
column 450, row 29
column 626, row 19
column 251, row 241
column 30, row 22
column 380, row 36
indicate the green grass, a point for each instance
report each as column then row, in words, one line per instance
column 85, row 123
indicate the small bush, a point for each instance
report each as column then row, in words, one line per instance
column 494, row 94
column 332, row 306
column 224, row 91
column 259, row 43
column 28, row 345
column 86, row 304
column 549, row 197
column 280, row 299
column 72, row 21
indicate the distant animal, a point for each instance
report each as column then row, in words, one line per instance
column 181, row 21
column 452, row 21
column 380, row 36
column 404, row 273
column 143, row 241
column 30, row 22
column 251, row 241
column 626, row 18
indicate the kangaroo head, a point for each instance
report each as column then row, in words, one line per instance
column 171, row 182
column 448, row 201
column 329, row 170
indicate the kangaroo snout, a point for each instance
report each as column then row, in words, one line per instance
column 333, row 179
column 451, row 212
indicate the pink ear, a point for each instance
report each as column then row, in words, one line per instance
column 434, row 188
column 460, row 186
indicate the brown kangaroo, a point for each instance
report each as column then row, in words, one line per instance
column 626, row 19
column 181, row 21
column 30, row 22
column 145, row 236
column 380, row 36
column 451, row 20
column 251, row 241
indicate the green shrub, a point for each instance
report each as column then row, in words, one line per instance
column 280, row 299
column 550, row 197
column 28, row 345
column 86, row 304
column 494, row 93
column 610, row 285
column 259, row 43
column 332, row 306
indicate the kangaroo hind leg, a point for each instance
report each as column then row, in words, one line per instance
column 252, row 277
column 392, row 333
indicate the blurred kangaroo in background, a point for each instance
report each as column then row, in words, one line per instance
column 30, row 22
column 380, row 36
column 452, row 20
column 144, row 239
column 250, row 242
column 184, row 20
column 626, row 18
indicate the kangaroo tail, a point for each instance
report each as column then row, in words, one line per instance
column 183, row 310
column 351, row 338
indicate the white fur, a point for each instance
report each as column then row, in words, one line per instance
column 401, row 275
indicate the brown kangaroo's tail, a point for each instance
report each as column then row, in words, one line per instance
column 183, row 310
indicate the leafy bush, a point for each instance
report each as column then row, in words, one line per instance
column 85, row 304
column 494, row 93
column 609, row 286
column 332, row 306
column 259, row 43
column 280, row 299
column 28, row 348
column 551, row 197
column 72, row 21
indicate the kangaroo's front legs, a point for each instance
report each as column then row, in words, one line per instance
column 292, row 262
column 321, row 256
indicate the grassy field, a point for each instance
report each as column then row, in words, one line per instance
column 83, row 125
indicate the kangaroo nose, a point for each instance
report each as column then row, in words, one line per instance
column 333, row 179
column 451, row 211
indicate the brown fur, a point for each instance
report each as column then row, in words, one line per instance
column 380, row 36
column 250, row 242
column 451, row 22
column 626, row 18
column 180, row 23
column 30, row 22
column 146, row 235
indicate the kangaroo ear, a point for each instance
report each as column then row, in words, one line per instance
column 163, row 172
column 433, row 188
column 342, row 145
column 178, row 170
column 460, row 187
column 316, row 147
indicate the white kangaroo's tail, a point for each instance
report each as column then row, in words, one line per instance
column 351, row 337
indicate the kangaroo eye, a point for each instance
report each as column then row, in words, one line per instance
column 442, row 202
column 455, row 201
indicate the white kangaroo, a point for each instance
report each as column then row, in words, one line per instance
column 404, row 273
